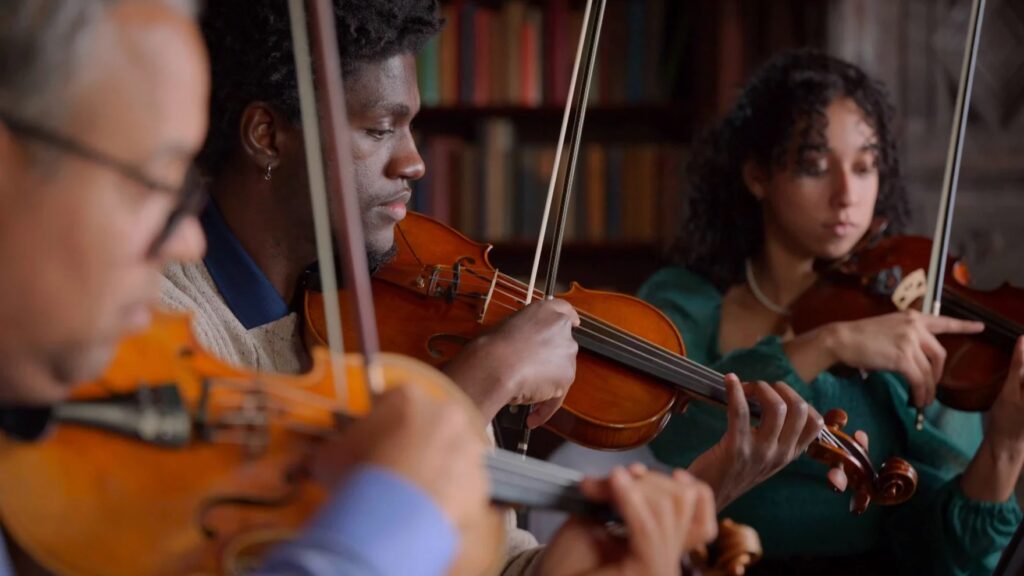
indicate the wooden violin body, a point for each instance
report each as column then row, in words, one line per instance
column 437, row 294
column 889, row 275
column 205, row 467
column 440, row 291
column 197, row 471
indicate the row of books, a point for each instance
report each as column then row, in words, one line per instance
column 494, row 188
column 520, row 53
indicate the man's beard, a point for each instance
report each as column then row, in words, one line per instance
column 377, row 260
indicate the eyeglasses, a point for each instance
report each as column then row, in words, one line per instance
column 191, row 194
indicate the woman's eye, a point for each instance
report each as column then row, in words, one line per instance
column 866, row 167
column 812, row 167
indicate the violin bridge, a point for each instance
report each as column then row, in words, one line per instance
column 487, row 300
column 431, row 287
column 910, row 288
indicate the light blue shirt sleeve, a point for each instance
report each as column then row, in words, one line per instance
column 376, row 525
column 5, row 561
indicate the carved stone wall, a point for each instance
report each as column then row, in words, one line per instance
column 916, row 47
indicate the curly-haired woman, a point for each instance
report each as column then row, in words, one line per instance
column 796, row 172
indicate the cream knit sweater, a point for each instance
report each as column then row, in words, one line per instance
column 278, row 347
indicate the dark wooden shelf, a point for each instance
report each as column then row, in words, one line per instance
column 662, row 122
column 621, row 266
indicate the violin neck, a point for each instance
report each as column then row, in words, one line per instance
column 673, row 369
column 997, row 327
column 516, row 480
column 530, row 483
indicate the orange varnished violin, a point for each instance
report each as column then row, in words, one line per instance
column 632, row 374
column 176, row 463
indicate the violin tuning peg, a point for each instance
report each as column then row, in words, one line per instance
column 836, row 418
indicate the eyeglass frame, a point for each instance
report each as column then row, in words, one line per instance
column 191, row 194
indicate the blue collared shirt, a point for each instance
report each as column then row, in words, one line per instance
column 377, row 525
column 245, row 288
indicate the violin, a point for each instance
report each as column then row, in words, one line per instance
column 177, row 463
column 441, row 291
column 884, row 275
column 197, row 467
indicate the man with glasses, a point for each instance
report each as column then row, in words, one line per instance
column 103, row 104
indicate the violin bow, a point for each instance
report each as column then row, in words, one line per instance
column 322, row 76
column 947, row 201
column 574, row 115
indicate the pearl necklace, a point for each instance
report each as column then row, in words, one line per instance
column 759, row 296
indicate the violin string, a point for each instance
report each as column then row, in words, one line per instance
column 315, row 400
column 686, row 370
column 531, row 475
column 285, row 391
column 531, row 470
column 968, row 309
column 702, row 373
column 638, row 346
column 631, row 339
column 676, row 362
column 709, row 376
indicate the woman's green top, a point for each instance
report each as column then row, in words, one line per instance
column 939, row 531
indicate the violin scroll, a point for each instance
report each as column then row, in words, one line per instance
column 894, row 485
column 896, row 482
column 737, row 548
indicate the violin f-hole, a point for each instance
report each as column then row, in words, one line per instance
column 210, row 505
column 435, row 343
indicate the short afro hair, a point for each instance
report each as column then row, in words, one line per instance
column 251, row 57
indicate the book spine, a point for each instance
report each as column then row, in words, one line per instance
column 428, row 68
column 467, row 52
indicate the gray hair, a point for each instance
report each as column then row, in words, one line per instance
column 41, row 46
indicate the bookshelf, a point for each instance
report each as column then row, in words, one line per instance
column 663, row 122
column 493, row 84
column 624, row 265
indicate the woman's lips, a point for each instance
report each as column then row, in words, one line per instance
column 840, row 229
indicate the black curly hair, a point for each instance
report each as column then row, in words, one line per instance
column 785, row 100
column 251, row 59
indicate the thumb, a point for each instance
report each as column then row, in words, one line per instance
column 543, row 411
